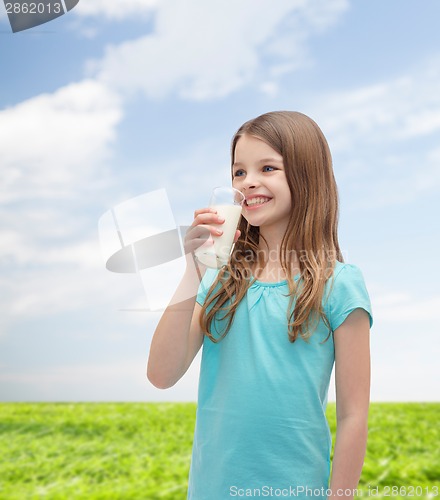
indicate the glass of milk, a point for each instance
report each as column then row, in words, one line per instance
column 215, row 252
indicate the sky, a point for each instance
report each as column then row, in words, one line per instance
column 115, row 100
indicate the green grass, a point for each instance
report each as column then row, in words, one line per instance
column 402, row 451
column 143, row 450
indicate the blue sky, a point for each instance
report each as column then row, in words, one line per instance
column 109, row 102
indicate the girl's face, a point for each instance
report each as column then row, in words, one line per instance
column 258, row 172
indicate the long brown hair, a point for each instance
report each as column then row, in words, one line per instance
column 311, row 231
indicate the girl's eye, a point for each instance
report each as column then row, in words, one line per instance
column 237, row 173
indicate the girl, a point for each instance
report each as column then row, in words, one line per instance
column 272, row 323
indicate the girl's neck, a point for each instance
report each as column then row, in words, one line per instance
column 270, row 250
column 270, row 246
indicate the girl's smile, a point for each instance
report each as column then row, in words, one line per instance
column 256, row 201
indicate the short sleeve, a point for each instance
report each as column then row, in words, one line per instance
column 348, row 293
column 207, row 280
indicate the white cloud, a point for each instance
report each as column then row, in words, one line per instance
column 32, row 248
column 269, row 88
column 56, row 288
column 398, row 307
column 404, row 378
column 115, row 9
column 53, row 149
column 123, row 380
column 417, row 174
column 375, row 131
column 404, row 108
column 53, row 143
column 204, row 50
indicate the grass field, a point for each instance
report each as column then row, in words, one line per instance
column 142, row 450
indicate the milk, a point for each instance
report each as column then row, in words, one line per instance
column 217, row 255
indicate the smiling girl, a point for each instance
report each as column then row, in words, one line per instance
column 272, row 324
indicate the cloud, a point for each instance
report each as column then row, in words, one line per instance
column 207, row 50
column 405, row 378
column 398, row 307
column 57, row 287
column 115, row 9
column 122, row 380
column 52, row 264
column 407, row 107
column 53, row 143
column 423, row 180
column 375, row 132
column 53, row 149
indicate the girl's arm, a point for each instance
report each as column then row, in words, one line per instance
column 352, row 378
column 178, row 337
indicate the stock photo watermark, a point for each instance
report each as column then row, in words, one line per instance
column 24, row 15
column 141, row 236
column 305, row 491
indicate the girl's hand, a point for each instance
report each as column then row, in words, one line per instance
column 202, row 228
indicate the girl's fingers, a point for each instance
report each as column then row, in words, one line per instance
column 202, row 228
column 194, row 245
column 237, row 235
column 207, row 218
column 203, row 232
column 202, row 211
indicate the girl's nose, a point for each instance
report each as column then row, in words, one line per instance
column 250, row 182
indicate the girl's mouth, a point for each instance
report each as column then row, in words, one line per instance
column 257, row 203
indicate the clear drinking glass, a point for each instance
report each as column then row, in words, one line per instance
column 228, row 202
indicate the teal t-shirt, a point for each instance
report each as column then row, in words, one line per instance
column 260, row 421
